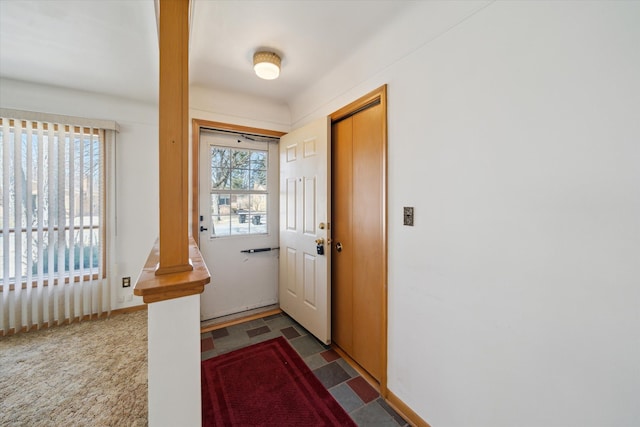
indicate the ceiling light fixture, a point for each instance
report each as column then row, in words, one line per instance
column 266, row 65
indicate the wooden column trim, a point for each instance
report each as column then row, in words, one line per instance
column 174, row 137
column 175, row 267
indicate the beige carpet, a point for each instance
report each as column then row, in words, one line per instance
column 90, row 373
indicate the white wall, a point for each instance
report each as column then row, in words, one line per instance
column 515, row 134
column 136, row 168
column 238, row 109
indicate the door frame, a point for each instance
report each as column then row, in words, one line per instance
column 197, row 125
column 375, row 96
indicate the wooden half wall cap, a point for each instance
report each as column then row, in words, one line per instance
column 154, row 288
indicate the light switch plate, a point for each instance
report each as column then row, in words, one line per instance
column 408, row 216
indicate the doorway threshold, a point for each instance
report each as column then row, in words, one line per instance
column 243, row 316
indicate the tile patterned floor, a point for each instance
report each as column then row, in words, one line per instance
column 361, row 401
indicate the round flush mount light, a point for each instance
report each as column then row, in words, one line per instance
column 266, row 65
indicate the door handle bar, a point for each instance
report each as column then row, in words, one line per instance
column 251, row 251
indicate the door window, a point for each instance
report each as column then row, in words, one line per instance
column 239, row 191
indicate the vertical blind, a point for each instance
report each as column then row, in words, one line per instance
column 52, row 223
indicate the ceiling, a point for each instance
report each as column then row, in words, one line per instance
column 111, row 46
column 99, row 46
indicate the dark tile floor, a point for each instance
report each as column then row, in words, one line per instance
column 361, row 401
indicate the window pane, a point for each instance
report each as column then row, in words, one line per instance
column 220, row 168
column 240, row 159
column 220, row 215
column 220, row 178
column 258, row 204
column 259, row 170
column 258, row 180
column 259, row 160
column 241, row 214
column 240, row 179
column 219, row 157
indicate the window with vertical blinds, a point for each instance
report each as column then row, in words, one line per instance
column 52, row 204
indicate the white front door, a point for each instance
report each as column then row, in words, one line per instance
column 305, row 265
column 238, row 209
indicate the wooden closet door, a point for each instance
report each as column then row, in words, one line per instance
column 342, row 262
column 358, row 269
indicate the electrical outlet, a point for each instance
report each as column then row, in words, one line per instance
column 126, row 282
column 408, row 216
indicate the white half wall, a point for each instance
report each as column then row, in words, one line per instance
column 135, row 228
column 514, row 132
column 174, row 363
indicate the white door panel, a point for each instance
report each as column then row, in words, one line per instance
column 305, row 291
column 239, row 281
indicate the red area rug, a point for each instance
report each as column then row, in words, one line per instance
column 266, row 384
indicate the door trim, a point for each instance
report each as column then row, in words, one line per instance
column 197, row 125
column 378, row 95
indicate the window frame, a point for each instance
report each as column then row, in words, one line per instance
column 197, row 127
column 231, row 192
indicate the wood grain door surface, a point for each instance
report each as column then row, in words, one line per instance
column 358, row 228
